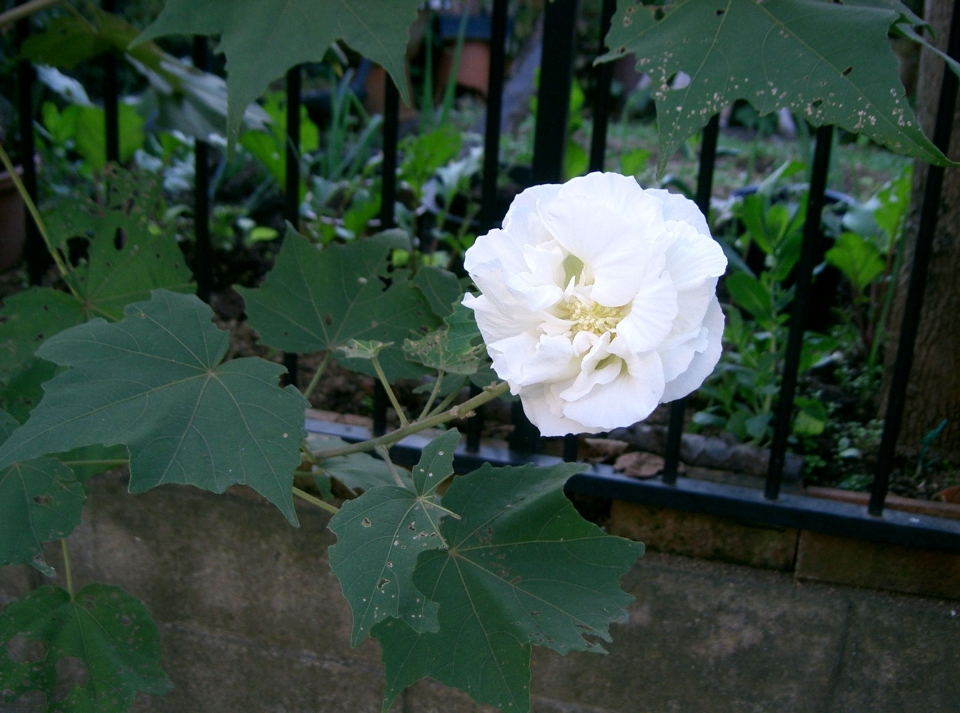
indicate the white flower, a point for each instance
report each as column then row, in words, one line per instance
column 598, row 301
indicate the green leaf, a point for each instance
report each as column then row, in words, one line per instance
column 154, row 382
column 427, row 152
column 633, row 162
column 318, row 300
column 128, row 255
column 262, row 39
column 857, row 258
column 126, row 260
column 380, row 535
column 91, row 134
column 749, row 294
column 440, row 287
column 358, row 471
column 829, row 63
column 455, row 349
column 811, row 419
column 110, row 632
column 522, row 568
column 40, row 500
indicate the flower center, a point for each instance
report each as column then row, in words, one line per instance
column 589, row 316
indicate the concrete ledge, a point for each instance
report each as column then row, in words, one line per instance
column 843, row 560
column 704, row 536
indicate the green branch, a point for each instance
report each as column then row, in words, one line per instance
column 303, row 495
column 25, row 10
column 459, row 411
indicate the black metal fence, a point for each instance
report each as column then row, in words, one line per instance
column 668, row 490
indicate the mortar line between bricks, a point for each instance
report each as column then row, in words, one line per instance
column 292, row 652
column 833, row 685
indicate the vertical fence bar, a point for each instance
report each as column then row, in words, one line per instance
column 553, row 97
column 489, row 207
column 811, row 242
column 708, row 160
column 896, row 399
column 388, row 197
column 601, row 99
column 111, row 96
column 549, row 143
column 203, row 264
column 291, row 196
column 34, row 250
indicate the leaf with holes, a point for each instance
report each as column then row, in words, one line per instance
column 262, row 39
column 379, row 536
column 829, row 63
column 155, row 383
column 458, row 349
column 522, row 568
column 40, row 500
column 103, row 643
column 129, row 255
column 314, row 300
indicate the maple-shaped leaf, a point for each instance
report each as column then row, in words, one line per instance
column 522, row 568
column 456, row 349
column 321, row 299
column 379, row 536
column 155, row 383
column 103, row 628
column 262, row 39
column 829, row 63
column 40, row 500
column 127, row 257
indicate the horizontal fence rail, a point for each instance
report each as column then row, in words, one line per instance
column 769, row 506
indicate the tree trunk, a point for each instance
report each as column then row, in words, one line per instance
column 934, row 387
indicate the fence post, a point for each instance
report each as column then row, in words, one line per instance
column 601, row 96
column 292, row 181
column 34, row 250
column 111, row 108
column 388, row 196
column 791, row 365
column 203, row 264
column 708, row 159
column 896, row 400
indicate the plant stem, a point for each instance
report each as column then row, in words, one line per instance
column 303, row 495
column 384, row 453
column 55, row 254
column 98, row 463
column 446, row 402
column 489, row 394
column 404, row 423
column 66, row 566
column 433, row 395
column 25, row 10
column 316, row 377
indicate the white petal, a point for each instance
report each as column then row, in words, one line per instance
column 543, row 410
column 522, row 216
column 677, row 207
column 693, row 258
column 629, row 398
column 651, row 315
column 611, row 225
column 528, row 359
column 500, row 319
column 704, row 362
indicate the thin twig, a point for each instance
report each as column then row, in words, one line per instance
column 442, row 406
column 31, row 206
column 404, row 423
column 461, row 410
column 316, row 377
column 303, row 495
column 25, row 10
column 384, row 453
column 433, row 395
column 66, row 566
